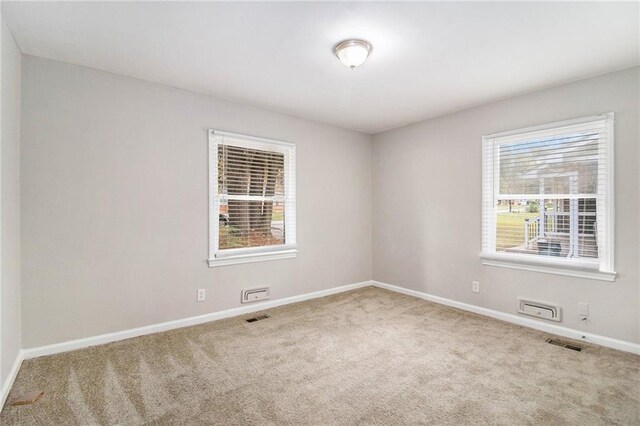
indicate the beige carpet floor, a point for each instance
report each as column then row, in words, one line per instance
column 368, row 356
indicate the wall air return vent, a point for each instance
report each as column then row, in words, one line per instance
column 254, row 294
column 537, row 309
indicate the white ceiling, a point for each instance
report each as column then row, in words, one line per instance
column 428, row 59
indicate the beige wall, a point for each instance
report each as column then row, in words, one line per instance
column 10, row 190
column 427, row 206
column 114, row 204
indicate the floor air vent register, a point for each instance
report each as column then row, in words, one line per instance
column 564, row 345
column 258, row 318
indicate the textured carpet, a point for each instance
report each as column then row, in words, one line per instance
column 368, row 356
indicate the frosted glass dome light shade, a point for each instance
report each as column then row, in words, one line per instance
column 353, row 53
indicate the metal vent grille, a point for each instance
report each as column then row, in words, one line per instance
column 564, row 345
column 258, row 318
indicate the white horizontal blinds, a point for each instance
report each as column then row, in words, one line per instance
column 561, row 166
column 488, row 199
column 254, row 198
column 548, row 191
column 290, row 197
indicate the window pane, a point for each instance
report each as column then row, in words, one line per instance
column 560, row 165
column 250, row 172
column 545, row 195
column 557, row 227
column 243, row 171
column 250, row 224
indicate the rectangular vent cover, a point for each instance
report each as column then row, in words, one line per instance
column 259, row 318
column 537, row 309
column 564, row 345
column 254, row 294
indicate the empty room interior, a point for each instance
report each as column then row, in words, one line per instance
column 320, row 213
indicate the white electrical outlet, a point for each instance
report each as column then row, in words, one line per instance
column 475, row 286
column 201, row 295
column 583, row 309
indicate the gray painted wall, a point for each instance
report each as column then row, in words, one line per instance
column 10, row 227
column 114, row 204
column 427, row 206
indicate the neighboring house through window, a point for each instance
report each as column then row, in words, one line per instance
column 252, row 199
column 548, row 198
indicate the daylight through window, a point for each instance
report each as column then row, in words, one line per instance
column 547, row 195
column 252, row 198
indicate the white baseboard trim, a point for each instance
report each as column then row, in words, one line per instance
column 8, row 382
column 516, row 319
column 170, row 325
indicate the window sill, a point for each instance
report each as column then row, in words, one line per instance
column 512, row 262
column 253, row 257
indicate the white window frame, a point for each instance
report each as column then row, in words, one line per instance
column 599, row 269
column 218, row 257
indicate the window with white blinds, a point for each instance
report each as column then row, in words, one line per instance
column 252, row 199
column 548, row 198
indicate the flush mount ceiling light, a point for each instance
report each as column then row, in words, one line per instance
column 353, row 52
